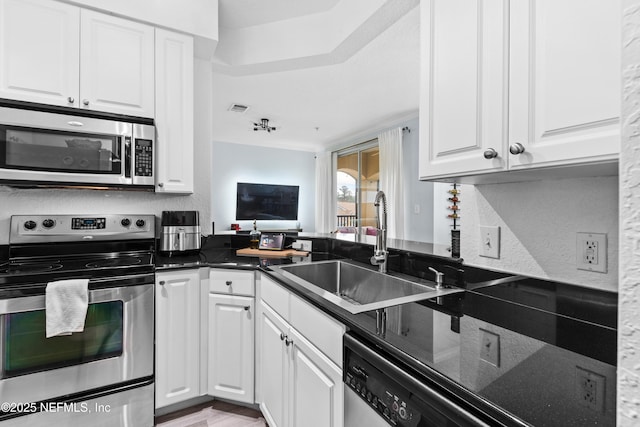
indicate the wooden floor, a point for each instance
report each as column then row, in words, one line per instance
column 216, row 413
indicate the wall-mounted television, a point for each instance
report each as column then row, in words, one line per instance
column 267, row 201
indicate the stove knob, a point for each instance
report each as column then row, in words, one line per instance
column 140, row 223
column 48, row 223
column 125, row 222
column 30, row 225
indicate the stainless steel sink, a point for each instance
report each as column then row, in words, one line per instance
column 358, row 289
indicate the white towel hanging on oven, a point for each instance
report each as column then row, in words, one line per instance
column 66, row 303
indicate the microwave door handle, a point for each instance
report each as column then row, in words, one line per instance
column 127, row 158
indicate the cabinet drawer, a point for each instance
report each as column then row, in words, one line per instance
column 234, row 282
column 275, row 296
column 319, row 328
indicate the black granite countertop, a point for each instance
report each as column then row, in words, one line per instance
column 548, row 334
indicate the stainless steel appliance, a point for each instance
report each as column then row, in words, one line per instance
column 61, row 148
column 379, row 392
column 180, row 232
column 103, row 375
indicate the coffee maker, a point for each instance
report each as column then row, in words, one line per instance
column 180, row 232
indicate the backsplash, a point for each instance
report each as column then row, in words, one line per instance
column 538, row 224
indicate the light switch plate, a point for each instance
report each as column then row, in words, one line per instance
column 489, row 241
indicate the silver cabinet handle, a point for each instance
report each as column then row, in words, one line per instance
column 516, row 148
column 228, row 282
column 71, row 100
column 161, row 283
column 288, row 341
column 490, row 154
column 85, row 101
column 282, row 336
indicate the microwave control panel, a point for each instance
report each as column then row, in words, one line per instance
column 143, row 157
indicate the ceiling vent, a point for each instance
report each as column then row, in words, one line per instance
column 238, row 108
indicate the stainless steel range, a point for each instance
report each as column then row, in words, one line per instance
column 104, row 374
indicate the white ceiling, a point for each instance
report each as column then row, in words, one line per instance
column 321, row 71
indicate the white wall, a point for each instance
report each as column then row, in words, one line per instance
column 233, row 163
column 538, row 224
column 42, row 201
column 628, row 407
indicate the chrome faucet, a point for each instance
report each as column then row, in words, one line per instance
column 380, row 254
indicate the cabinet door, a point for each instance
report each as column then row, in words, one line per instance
column 463, row 87
column 116, row 65
column 231, row 345
column 315, row 386
column 564, row 102
column 39, row 51
column 273, row 367
column 177, row 336
column 174, row 112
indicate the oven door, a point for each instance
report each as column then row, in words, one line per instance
column 115, row 347
column 44, row 147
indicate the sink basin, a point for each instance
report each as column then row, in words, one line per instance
column 357, row 289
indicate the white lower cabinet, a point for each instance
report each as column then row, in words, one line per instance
column 230, row 334
column 299, row 383
column 177, row 336
column 231, row 347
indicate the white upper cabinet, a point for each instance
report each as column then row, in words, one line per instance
column 58, row 54
column 116, row 65
column 518, row 85
column 39, row 47
column 174, row 112
column 564, row 94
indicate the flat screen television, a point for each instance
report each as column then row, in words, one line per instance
column 267, row 201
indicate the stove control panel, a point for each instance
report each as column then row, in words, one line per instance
column 69, row 228
column 88, row 223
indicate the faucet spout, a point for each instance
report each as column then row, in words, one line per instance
column 380, row 253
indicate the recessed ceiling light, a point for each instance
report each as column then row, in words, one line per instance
column 238, row 108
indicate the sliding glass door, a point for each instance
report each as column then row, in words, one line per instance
column 357, row 177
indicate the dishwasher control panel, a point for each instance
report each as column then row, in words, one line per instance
column 388, row 399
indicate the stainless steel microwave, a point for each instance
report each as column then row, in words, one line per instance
column 61, row 149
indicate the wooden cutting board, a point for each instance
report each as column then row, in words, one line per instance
column 286, row 253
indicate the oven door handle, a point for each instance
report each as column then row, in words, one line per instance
column 38, row 302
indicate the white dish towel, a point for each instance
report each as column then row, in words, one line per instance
column 66, row 303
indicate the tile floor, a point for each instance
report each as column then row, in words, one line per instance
column 216, row 413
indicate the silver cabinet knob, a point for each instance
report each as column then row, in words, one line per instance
column 288, row 341
column 161, row 283
column 246, row 308
column 85, row 101
column 490, row 154
column 282, row 336
column 228, row 282
column 71, row 100
column 161, row 184
column 516, row 148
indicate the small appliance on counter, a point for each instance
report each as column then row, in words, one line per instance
column 180, row 233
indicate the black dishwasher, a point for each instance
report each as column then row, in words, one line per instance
column 379, row 392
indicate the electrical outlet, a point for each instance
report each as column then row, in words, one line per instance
column 489, row 241
column 591, row 252
column 590, row 389
column 490, row 347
